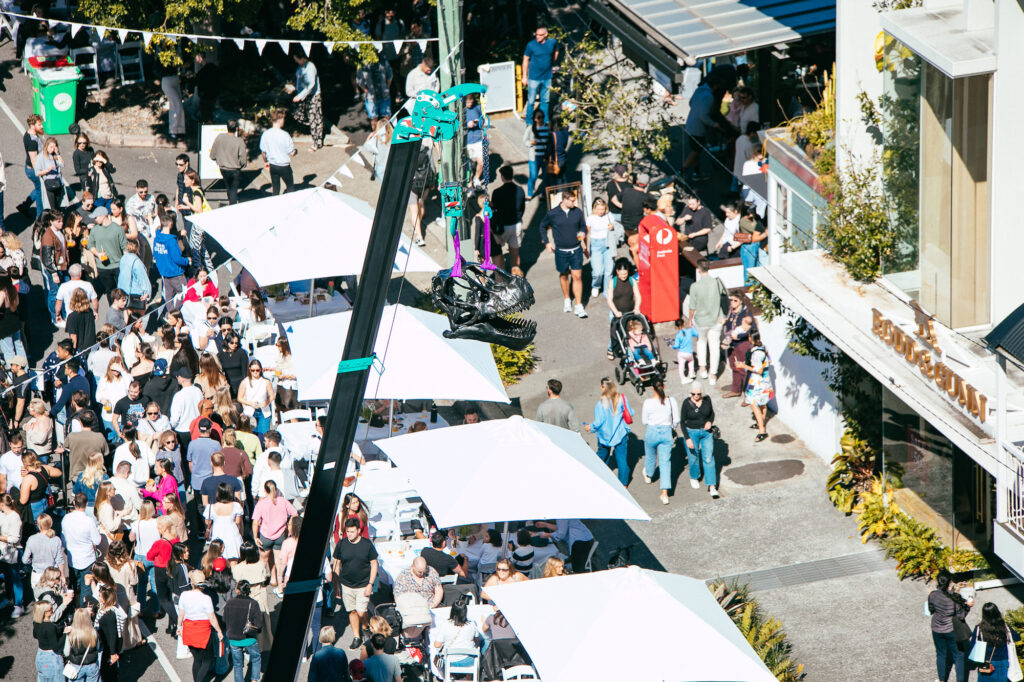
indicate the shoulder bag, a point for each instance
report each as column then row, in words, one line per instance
column 72, row 671
column 250, row 630
column 627, row 416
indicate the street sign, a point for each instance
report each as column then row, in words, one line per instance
column 208, row 169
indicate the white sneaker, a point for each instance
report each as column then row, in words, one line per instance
column 713, row 491
column 419, row 242
column 647, row 479
column 686, row 380
column 703, row 374
column 580, row 312
column 595, row 292
column 17, row 612
column 695, row 484
column 567, row 306
column 712, row 379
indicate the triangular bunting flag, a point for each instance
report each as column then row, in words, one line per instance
column 260, row 44
column 289, row 329
column 358, row 159
column 398, row 44
column 75, row 28
column 101, row 31
column 377, row 45
column 146, row 38
column 122, row 33
column 345, row 171
column 422, row 44
column 334, row 181
column 307, row 45
column 285, row 45
column 239, row 43
column 330, row 46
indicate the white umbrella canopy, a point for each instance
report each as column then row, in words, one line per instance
column 509, row 470
column 419, row 363
column 303, row 235
column 574, row 628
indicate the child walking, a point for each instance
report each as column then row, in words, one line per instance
column 683, row 344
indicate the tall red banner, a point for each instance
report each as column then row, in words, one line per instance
column 658, row 267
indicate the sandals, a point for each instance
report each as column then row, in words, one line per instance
column 760, row 437
column 610, row 355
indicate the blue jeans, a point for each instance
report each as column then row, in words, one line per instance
column 703, row 451
column 750, row 254
column 36, row 194
column 11, row 345
column 948, row 656
column 88, row 673
column 531, row 185
column 533, row 88
column 51, row 292
column 314, row 627
column 619, row 449
column 105, row 203
column 144, row 586
column 49, row 666
column 13, row 581
column 39, row 506
column 262, row 423
column 1000, row 669
column 601, row 265
column 658, row 453
column 238, row 660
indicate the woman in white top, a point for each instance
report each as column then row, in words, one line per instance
column 137, row 453
column 111, row 387
column 284, row 369
column 39, row 429
column 109, row 518
column 224, row 522
column 144, row 532
column 254, row 394
column 660, row 414
column 458, row 632
column 601, row 232
column 200, row 630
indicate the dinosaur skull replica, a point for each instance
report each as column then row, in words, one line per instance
column 482, row 305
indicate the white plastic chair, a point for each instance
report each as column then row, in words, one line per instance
column 130, row 55
column 88, row 64
column 460, row 670
column 519, row 672
column 448, row 579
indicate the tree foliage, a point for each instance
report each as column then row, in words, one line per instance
column 335, row 20
column 611, row 104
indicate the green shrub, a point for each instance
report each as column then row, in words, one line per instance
column 877, row 513
column 917, row 549
column 764, row 633
column 513, row 364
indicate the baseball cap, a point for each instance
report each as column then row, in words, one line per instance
column 220, row 564
column 99, row 212
column 643, row 179
column 205, row 424
column 159, row 367
column 183, row 373
column 619, row 169
column 20, row 360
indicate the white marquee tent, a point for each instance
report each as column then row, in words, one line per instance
column 303, row 235
column 419, row 363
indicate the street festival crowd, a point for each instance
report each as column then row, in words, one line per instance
column 147, row 479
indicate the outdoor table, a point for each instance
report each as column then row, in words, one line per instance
column 401, row 424
column 292, row 308
column 395, row 557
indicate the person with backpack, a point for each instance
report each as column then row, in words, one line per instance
column 759, row 389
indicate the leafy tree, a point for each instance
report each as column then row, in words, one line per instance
column 611, row 104
column 335, row 20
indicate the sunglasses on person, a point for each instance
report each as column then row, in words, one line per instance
column 153, row 414
column 696, row 393
column 255, row 369
column 212, row 317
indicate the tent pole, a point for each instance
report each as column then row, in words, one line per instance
column 342, row 420
column 391, row 415
column 504, row 542
column 311, row 297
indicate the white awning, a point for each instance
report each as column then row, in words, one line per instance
column 939, row 37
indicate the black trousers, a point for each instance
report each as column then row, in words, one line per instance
column 204, row 661
column 232, row 181
column 279, row 173
column 578, row 554
column 164, row 596
column 106, row 281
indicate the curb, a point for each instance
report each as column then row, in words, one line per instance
column 104, row 138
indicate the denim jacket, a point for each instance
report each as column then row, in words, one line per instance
column 609, row 424
column 306, row 82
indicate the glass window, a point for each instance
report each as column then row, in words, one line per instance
column 935, row 172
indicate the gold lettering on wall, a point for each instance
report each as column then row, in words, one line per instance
column 970, row 399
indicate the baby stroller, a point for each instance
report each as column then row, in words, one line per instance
column 640, row 370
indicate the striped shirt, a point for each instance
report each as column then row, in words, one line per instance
column 540, row 149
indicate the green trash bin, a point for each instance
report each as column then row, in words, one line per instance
column 54, row 95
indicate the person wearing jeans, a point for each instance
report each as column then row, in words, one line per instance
column 697, row 417
column 705, row 306
column 242, row 613
column 538, row 59
column 660, row 414
column 611, row 427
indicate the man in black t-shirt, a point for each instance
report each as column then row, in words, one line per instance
column 438, row 559
column 355, row 564
column 129, row 410
column 614, row 191
column 209, row 488
column 33, row 142
column 22, row 384
column 696, row 223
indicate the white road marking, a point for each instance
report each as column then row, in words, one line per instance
column 165, row 662
column 10, row 115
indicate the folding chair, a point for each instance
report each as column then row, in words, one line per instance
column 88, row 64
column 6, row 25
column 485, row 571
column 457, row 654
column 519, row 672
column 130, row 55
column 593, row 550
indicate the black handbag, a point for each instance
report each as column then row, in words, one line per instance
column 250, row 630
column 53, row 184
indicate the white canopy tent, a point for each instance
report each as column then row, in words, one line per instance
column 418, row 361
column 574, row 628
column 509, row 470
column 303, row 235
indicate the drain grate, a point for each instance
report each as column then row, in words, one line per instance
column 811, row 571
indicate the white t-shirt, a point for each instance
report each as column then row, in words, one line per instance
column 654, row 413
column 276, row 476
column 98, row 361
column 81, row 537
column 731, row 225
column 140, row 466
column 66, row 290
column 194, row 605
column 10, row 464
column 599, row 226
column 146, row 533
column 454, row 636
